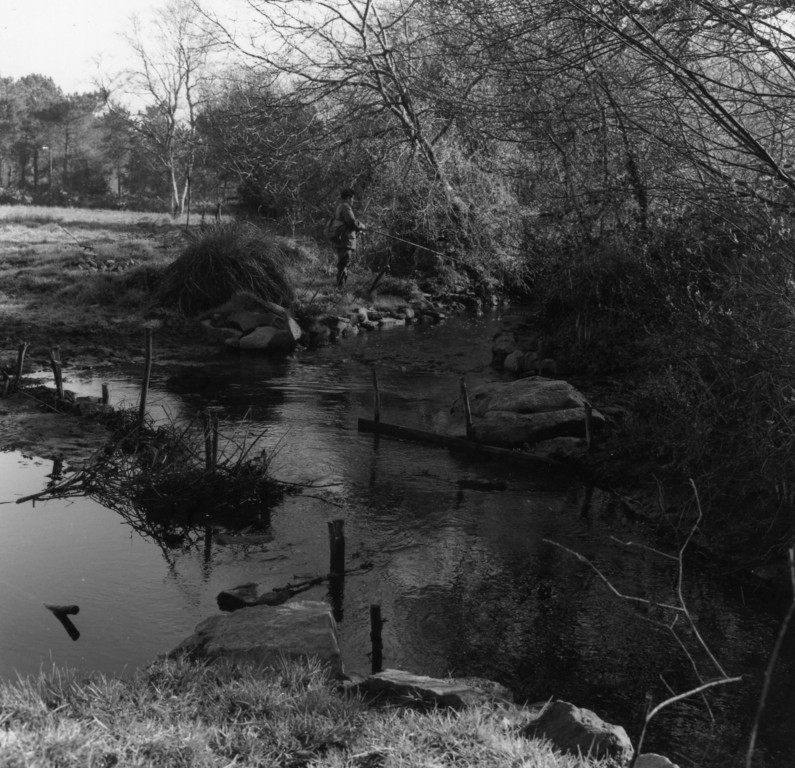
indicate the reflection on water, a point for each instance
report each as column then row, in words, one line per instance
column 463, row 572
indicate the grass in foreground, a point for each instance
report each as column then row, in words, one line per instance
column 181, row 714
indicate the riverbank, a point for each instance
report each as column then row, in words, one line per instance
column 174, row 713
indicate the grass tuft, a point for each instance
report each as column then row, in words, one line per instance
column 225, row 260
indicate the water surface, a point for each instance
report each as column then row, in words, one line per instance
column 467, row 578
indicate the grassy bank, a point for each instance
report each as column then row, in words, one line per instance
column 180, row 714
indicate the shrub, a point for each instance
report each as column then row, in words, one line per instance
column 228, row 258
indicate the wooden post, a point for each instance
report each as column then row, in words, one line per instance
column 6, row 383
column 336, row 580
column 214, row 445
column 377, row 655
column 208, row 440
column 585, row 505
column 467, row 409
column 336, row 540
column 588, row 425
column 105, row 394
column 55, row 361
column 21, row 350
column 147, row 374
column 376, row 398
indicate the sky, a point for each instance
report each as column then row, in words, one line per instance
column 64, row 39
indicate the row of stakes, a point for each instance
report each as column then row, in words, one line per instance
column 336, row 536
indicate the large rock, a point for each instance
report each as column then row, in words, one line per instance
column 250, row 323
column 454, row 693
column 221, row 333
column 268, row 339
column 512, row 430
column 246, row 320
column 527, row 411
column 265, row 634
column 535, row 394
column 579, row 731
column 650, row 760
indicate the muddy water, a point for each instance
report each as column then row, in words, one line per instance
column 465, row 576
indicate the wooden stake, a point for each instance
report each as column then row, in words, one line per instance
column 588, row 425
column 21, row 350
column 147, row 374
column 377, row 655
column 105, row 394
column 214, row 445
column 467, row 409
column 55, row 361
column 336, row 540
column 208, row 440
column 376, row 398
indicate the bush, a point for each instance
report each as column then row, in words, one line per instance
column 227, row 259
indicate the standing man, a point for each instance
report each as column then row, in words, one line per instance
column 345, row 227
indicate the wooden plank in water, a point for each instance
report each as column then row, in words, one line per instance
column 456, row 443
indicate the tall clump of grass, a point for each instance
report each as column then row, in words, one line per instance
column 222, row 261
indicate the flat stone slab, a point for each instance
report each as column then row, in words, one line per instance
column 455, row 693
column 265, row 634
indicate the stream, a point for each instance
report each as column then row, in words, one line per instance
column 464, row 565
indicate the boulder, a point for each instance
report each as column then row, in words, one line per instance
column 268, row 339
column 221, row 333
column 455, row 693
column 575, row 731
column 293, row 327
column 246, row 320
column 264, row 635
column 534, row 394
column 650, row 760
column 512, row 430
column 244, row 302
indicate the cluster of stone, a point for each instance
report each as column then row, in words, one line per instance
column 108, row 265
column 251, row 324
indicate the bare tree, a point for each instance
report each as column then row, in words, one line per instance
column 171, row 52
column 364, row 61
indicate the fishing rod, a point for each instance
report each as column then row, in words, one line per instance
column 401, row 240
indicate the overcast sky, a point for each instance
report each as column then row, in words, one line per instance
column 64, row 38
column 73, row 41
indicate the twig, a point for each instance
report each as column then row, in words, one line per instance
column 679, row 697
column 607, row 582
column 642, row 546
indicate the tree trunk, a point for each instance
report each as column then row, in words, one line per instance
column 176, row 208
